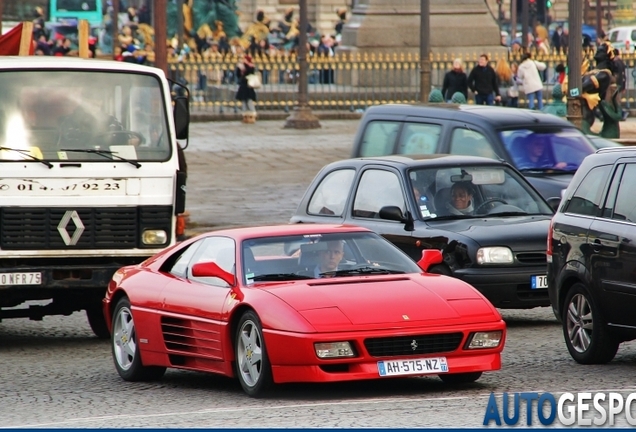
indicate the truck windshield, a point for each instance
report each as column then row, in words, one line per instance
column 57, row 115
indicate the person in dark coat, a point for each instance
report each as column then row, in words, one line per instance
column 482, row 81
column 621, row 77
column 245, row 93
column 455, row 81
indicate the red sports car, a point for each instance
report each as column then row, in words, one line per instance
column 298, row 303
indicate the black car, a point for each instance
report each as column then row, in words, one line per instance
column 592, row 256
column 476, row 130
column 497, row 243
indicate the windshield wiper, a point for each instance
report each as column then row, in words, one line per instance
column 279, row 277
column 547, row 170
column 362, row 270
column 450, row 217
column 105, row 153
column 29, row 155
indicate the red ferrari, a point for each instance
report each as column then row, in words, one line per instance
column 298, row 303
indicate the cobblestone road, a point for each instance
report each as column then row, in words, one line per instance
column 54, row 373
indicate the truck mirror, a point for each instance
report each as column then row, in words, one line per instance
column 181, row 114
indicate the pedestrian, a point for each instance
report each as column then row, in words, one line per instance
column 557, row 39
column 455, row 81
column 482, row 81
column 513, row 91
column 504, row 80
column 621, row 78
column 246, row 94
column 530, row 79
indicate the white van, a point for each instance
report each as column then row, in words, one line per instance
column 623, row 38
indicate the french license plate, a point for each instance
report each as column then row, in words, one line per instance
column 21, row 278
column 413, row 366
column 538, row 282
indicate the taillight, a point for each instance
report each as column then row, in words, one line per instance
column 548, row 251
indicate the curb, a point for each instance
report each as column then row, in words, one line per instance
column 199, row 117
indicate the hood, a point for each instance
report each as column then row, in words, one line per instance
column 345, row 303
column 518, row 232
column 549, row 185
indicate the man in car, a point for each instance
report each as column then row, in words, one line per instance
column 538, row 155
column 329, row 258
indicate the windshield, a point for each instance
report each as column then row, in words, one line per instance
column 474, row 191
column 77, row 5
column 322, row 255
column 557, row 151
column 60, row 115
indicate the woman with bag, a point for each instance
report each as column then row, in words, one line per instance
column 248, row 80
column 530, row 79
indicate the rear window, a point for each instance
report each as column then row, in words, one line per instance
column 379, row 138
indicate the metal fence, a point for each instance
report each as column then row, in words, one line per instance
column 342, row 82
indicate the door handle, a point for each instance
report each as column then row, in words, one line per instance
column 597, row 245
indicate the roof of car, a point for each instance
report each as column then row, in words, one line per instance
column 70, row 63
column 496, row 116
column 284, row 230
column 421, row 160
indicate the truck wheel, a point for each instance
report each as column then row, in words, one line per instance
column 97, row 321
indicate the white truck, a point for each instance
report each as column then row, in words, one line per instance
column 92, row 178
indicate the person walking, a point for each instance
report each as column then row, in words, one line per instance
column 245, row 93
column 621, row 78
column 530, row 79
column 504, row 80
column 455, row 81
column 482, row 81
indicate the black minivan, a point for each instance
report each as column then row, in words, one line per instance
column 510, row 134
column 592, row 256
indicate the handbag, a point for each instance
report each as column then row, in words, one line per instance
column 254, row 81
column 513, row 92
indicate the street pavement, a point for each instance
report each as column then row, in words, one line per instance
column 254, row 174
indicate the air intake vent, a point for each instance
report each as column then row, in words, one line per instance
column 408, row 345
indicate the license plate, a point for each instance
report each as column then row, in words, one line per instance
column 413, row 366
column 21, row 278
column 538, row 282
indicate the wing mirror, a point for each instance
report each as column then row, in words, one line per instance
column 395, row 213
column 181, row 115
column 212, row 269
column 554, row 202
column 430, row 257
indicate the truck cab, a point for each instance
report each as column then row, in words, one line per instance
column 92, row 178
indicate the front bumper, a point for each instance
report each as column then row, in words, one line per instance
column 507, row 288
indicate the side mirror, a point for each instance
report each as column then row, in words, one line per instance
column 395, row 213
column 212, row 269
column 181, row 115
column 430, row 257
column 554, row 202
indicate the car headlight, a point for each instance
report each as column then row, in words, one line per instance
column 494, row 255
column 334, row 350
column 154, row 237
column 490, row 339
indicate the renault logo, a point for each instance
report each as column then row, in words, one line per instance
column 70, row 215
column 414, row 345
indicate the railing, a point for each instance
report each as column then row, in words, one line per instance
column 342, row 82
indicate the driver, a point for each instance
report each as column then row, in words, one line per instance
column 329, row 259
column 88, row 121
column 538, row 155
column 461, row 202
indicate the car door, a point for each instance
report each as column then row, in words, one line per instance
column 379, row 187
column 193, row 306
column 612, row 241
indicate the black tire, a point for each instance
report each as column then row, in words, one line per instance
column 125, row 347
column 440, row 269
column 584, row 329
column 460, row 378
column 97, row 321
column 253, row 369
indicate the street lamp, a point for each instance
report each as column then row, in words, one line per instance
column 425, row 48
column 575, row 58
column 301, row 116
column 160, row 23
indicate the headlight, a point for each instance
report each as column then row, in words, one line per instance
column 154, row 237
column 489, row 339
column 494, row 255
column 334, row 350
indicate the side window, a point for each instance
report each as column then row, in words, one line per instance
column 180, row 266
column 587, row 198
column 377, row 188
column 419, row 139
column 379, row 138
column 471, row 143
column 331, row 194
column 625, row 208
column 633, row 35
column 220, row 250
column 613, row 36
